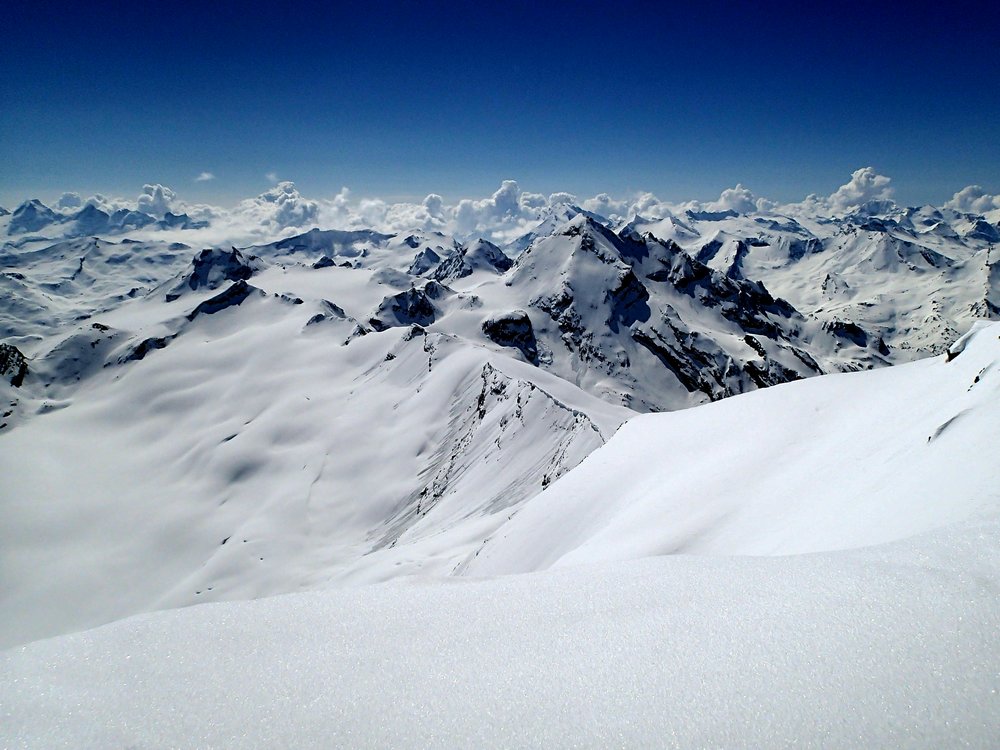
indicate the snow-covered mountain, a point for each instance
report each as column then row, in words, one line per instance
column 36, row 220
column 831, row 463
column 359, row 405
column 914, row 277
column 675, row 612
column 326, row 409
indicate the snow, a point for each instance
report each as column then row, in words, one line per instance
column 249, row 502
column 890, row 646
column 828, row 463
column 885, row 645
column 250, row 425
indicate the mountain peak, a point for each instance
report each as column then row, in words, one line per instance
column 31, row 216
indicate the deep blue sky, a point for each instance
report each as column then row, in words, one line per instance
column 401, row 99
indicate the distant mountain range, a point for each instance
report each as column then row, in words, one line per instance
column 35, row 216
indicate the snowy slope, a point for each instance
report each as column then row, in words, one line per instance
column 829, row 463
column 361, row 406
column 892, row 645
column 187, row 450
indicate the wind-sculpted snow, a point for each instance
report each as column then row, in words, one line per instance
column 48, row 289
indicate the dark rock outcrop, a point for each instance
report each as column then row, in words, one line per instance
column 91, row 220
column 742, row 301
column 513, row 329
column 845, row 329
column 479, row 255
column 213, row 267
column 235, row 295
column 413, row 306
column 629, row 302
column 126, row 219
column 13, row 365
column 423, row 262
column 180, row 221
column 144, row 347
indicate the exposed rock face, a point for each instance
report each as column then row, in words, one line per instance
column 332, row 242
column 745, row 302
column 330, row 311
column 479, row 255
column 845, row 329
column 423, row 262
column 13, row 365
column 144, row 347
column 91, row 220
column 413, row 306
column 180, row 221
column 126, row 219
column 983, row 230
column 698, row 365
column 231, row 297
column 513, row 329
column 213, row 267
column 629, row 302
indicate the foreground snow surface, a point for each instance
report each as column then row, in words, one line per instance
column 883, row 634
column 892, row 646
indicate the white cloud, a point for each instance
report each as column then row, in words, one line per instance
column 279, row 208
column 272, row 177
column 69, row 201
column 109, row 205
column 973, row 199
column 155, row 200
column 738, row 199
column 204, row 177
column 434, row 205
column 556, row 199
column 506, row 214
column 604, row 205
column 497, row 215
column 865, row 185
column 532, row 201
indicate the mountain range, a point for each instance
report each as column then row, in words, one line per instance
column 336, row 408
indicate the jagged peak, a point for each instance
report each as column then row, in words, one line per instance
column 31, row 204
column 90, row 210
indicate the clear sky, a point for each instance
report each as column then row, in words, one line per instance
column 401, row 99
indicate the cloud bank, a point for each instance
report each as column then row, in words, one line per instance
column 974, row 200
column 506, row 214
column 865, row 185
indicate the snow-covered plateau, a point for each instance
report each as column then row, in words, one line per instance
column 703, row 478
